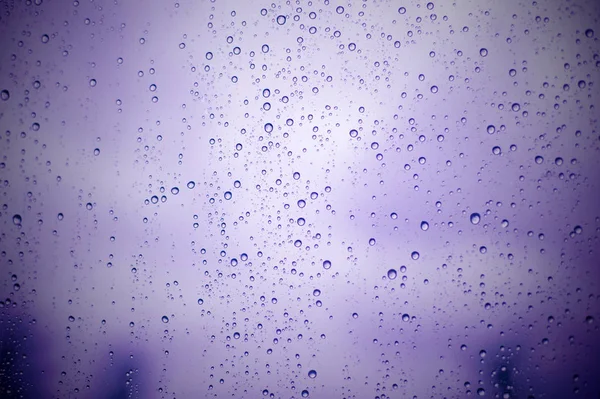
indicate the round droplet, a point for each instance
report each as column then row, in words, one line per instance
column 301, row 203
column 4, row 95
column 45, row 38
column 491, row 129
column 475, row 218
column 268, row 127
column 298, row 243
column 227, row 195
column 394, row 215
column 589, row 33
column 200, row 301
column 424, row 226
column 316, row 292
column 372, row 241
column 405, row 317
column 353, row 133
column 539, row 159
column 305, row 394
column 296, row 175
column 281, row 19
column 355, row 315
column 496, row 150
column 483, row 52
column 415, row 255
column 93, row 82
column 392, row 274
column 209, row 55
column 434, row 89
column 301, row 221
column 175, row 190
column 482, row 353
column 312, row 374
column 17, row 220
column 339, row 10
column 265, row 48
column 516, row 107
column 191, row 185
column 326, row 265
column 165, row 319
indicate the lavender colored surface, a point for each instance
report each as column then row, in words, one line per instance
column 414, row 213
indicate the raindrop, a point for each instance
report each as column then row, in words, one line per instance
column 424, row 226
column 372, row 241
column 227, row 195
column 589, row 33
column 491, row 129
column 4, row 95
column 93, row 82
column 281, row 19
column 475, row 218
column 392, row 274
column 191, row 184
column 200, row 301
column 516, row 107
column 415, row 255
column 165, row 319
column 326, row 265
column 539, row 159
column 405, row 317
column 483, row 52
column 17, row 220
column 312, row 374
column 339, row 10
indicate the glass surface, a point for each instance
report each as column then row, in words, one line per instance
column 322, row 199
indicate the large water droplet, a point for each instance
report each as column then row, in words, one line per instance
column 475, row 218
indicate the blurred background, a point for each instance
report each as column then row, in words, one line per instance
column 323, row 199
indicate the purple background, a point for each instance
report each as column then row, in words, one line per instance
column 109, row 107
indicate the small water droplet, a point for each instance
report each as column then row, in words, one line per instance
column 475, row 218
column 165, row 319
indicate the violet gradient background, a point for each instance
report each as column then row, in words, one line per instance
column 73, row 327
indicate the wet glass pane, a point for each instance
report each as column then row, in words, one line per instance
column 301, row 199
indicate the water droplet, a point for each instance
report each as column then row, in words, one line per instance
column 301, row 203
column 415, row 255
column 268, row 127
column 402, row 10
column 305, row 394
column 209, row 56
column 17, row 220
column 227, row 195
column 93, row 82
column 326, row 265
column 483, row 52
column 4, row 95
column 353, row 133
column 281, row 19
column 298, row 243
column 496, row 150
column 265, row 48
column 392, row 274
column 45, row 38
column 355, row 315
column 491, row 129
column 372, row 241
column 424, row 226
column 191, row 184
column 316, row 292
column 301, row 221
column 175, row 190
column 200, row 301
column 434, row 89
column 339, row 10
column 516, row 107
column 539, row 159
column 312, row 374
column 589, row 33
column 165, row 319
column 394, row 215
column 405, row 317
column 475, row 218
column 482, row 353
